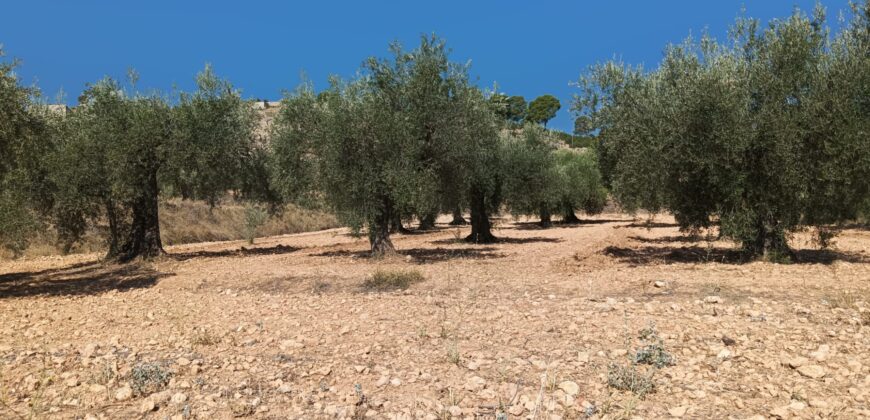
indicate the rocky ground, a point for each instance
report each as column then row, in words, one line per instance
column 606, row 319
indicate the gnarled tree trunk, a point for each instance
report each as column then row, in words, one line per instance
column 143, row 238
column 427, row 221
column 480, row 226
column 769, row 241
column 546, row 218
column 396, row 226
column 458, row 220
column 379, row 234
column 569, row 216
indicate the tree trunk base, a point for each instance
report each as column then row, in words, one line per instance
column 427, row 222
column 570, row 217
column 546, row 219
column 481, row 238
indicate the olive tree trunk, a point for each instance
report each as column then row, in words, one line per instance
column 143, row 237
column 546, row 218
column 570, row 217
column 427, row 221
column 769, row 242
column 481, row 232
column 379, row 235
column 458, row 220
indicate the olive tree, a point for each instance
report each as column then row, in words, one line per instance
column 122, row 150
column 399, row 139
column 581, row 187
column 762, row 136
column 531, row 178
column 23, row 140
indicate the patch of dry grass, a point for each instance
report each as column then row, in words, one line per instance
column 187, row 221
column 387, row 280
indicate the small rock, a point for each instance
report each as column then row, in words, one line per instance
column 284, row 388
column 290, row 344
column 724, row 354
column 395, row 382
column 812, row 371
column 796, row 362
column 780, row 412
column 147, row 406
column 183, row 361
column 475, row 383
column 570, row 387
column 72, row 382
column 818, row 404
column 797, row 406
column 678, row 411
column 821, row 354
column 124, row 393
column 89, row 350
column 179, row 398
column 712, row 299
column 660, row 284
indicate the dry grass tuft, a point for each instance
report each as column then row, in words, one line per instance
column 387, row 280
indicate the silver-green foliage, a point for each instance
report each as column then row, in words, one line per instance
column 764, row 135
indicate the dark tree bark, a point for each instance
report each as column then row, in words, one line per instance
column 143, row 238
column 379, row 234
column 458, row 220
column 114, row 230
column 546, row 218
column 396, row 226
column 769, row 242
column 569, row 216
column 427, row 221
column 480, row 226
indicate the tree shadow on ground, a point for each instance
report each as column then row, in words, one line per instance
column 80, row 279
column 651, row 225
column 651, row 255
column 502, row 240
column 564, row 225
column 241, row 252
column 667, row 239
column 425, row 255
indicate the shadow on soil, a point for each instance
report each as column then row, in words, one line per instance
column 651, row 225
column 651, row 255
column 564, row 225
column 668, row 239
column 241, row 252
column 503, row 240
column 80, row 279
column 426, row 255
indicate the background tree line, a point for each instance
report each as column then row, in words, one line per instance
column 410, row 138
column 760, row 136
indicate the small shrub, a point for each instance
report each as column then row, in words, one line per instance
column 147, row 378
column 652, row 350
column 255, row 217
column 386, row 280
column 629, row 378
column 453, row 355
column 204, row 337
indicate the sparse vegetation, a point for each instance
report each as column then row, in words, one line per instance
column 388, row 280
column 147, row 378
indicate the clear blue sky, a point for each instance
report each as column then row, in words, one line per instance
column 529, row 48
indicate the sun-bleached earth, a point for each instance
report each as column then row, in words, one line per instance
column 535, row 326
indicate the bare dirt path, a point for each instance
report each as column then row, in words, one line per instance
column 525, row 328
